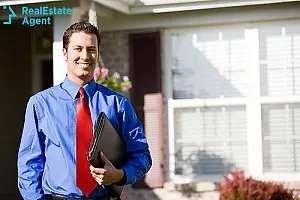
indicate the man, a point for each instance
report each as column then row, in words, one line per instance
column 50, row 149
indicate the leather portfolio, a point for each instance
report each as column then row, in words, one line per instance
column 107, row 140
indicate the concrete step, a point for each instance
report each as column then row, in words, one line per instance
column 164, row 194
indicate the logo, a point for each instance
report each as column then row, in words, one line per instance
column 11, row 14
column 36, row 16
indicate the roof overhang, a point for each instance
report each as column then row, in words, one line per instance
column 188, row 5
column 21, row 2
column 160, row 6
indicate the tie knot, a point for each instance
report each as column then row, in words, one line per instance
column 81, row 92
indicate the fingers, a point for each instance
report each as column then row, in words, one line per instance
column 97, row 171
column 103, row 176
column 99, row 179
column 105, row 160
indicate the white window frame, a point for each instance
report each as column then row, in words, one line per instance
column 252, row 101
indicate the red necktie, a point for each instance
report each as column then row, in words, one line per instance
column 84, row 180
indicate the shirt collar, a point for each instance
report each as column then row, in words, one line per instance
column 72, row 88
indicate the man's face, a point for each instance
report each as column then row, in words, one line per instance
column 81, row 57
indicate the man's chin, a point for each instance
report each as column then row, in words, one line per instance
column 85, row 75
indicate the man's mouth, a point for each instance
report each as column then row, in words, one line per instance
column 83, row 65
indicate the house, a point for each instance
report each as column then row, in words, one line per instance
column 216, row 83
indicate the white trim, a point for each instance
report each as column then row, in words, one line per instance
column 178, row 179
column 162, row 2
column 279, row 176
column 211, row 5
column 188, row 6
column 93, row 14
column 19, row 2
column 167, row 63
column 279, row 99
column 167, row 84
column 59, row 64
column 171, row 126
column 254, row 130
column 203, row 19
column 188, row 103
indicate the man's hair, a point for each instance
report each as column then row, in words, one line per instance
column 85, row 27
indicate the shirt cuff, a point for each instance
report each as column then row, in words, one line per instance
column 128, row 177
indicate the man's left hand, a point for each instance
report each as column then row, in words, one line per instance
column 107, row 175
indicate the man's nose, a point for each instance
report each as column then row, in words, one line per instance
column 84, row 54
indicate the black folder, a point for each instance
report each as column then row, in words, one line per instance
column 107, row 140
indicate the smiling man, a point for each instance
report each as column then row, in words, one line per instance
column 59, row 121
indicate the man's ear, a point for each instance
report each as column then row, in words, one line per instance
column 65, row 54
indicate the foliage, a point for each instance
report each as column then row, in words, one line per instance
column 237, row 186
column 113, row 82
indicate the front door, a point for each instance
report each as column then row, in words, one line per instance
column 145, row 71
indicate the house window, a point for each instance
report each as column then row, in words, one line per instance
column 208, row 68
column 280, row 87
column 208, row 64
column 281, row 137
column 280, row 61
column 234, row 100
column 210, row 140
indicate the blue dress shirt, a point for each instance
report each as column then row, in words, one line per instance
column 46, row 158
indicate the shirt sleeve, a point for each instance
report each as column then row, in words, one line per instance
column 31, row 156
column 139, row 162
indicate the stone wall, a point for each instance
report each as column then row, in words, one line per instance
column 115, row 51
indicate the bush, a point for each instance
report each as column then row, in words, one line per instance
column 236, row 186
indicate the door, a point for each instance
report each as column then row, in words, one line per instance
column 47, row 73
column 15, row 86
column 146, row 97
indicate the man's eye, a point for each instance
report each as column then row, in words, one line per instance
column 77, row 49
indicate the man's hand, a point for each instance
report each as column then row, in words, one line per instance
column 107, row 175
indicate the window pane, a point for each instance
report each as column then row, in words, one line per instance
column 281, row 137
column 208, row 63
column 210, row 140
column 280, row 60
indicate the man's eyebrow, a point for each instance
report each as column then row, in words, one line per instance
column 89, row 47
column 92, row 46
